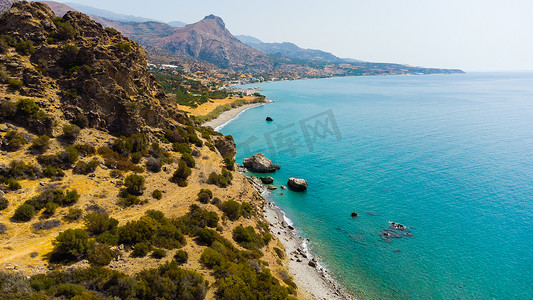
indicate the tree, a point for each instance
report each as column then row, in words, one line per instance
column 181, row 174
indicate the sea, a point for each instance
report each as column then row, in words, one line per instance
column 450, row 157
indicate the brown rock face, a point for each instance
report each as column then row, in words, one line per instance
column 260, row 164
column 225, row 145
column 102, row 74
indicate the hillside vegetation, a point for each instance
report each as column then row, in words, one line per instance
column 107, row 189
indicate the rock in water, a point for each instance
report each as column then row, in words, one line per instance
column 354, row 214
column 297, row 184
column 269, row 119
column 267, row 180
column 260, row 164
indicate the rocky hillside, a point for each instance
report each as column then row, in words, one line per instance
column 106, row 189
column 97, row 73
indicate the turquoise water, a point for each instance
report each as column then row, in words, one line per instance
column 449, row 156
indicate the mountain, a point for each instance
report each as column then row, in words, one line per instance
column 176, row 24
column 207, row 40
column 247, row 39
column 290, row 50
column 6, row 4
column 91, row 11
column 59, row 9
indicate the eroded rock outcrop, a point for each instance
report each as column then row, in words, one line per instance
column 260, row 164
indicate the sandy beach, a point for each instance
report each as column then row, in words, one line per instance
column 312, row 279
column 229, row 115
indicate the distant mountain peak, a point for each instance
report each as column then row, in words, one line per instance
column 217, row 19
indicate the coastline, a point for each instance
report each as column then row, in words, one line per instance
column 312, row 279
column 226, row 117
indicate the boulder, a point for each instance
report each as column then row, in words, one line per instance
column 271, row 187
column 260, row 164
column 354, row 214
column 297, row 184
column 267, row 180
column 269, row 119
column 312, row 264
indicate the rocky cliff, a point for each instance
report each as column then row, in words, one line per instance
column 97, row 72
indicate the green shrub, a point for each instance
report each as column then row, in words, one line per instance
column 3, row 203
column 159, row 253
column 65, row 31
column 71, row 132
column 85, row 168
column 130, row 200
column 248, row 238
column 24, row 213
column 174, row 136
column 222, row 180
column 212, row 259
column 71, row 244
column 15, row 140
column 108, row 238
column 134, row 184
column 69, row 290
column 53, row 172
column 14, row 286
column 15, row 83
column 123, row 47
column 85, row 149
column 205, row 195
column 26, row 107
column 141, row 249
column 50, row 209
column 71, row 197
column 181, row 174
column 229, row 163
column 247, row 209
column 8, row 109
column 73, row 214
column 25, row 47
column 100, row 255
column 19, row 170
column 181, row 257
column 41, row 143
column 188, row 159
column 127, row 145
column 157, row 194
column 80, row 120
column 13, row 184
column 96, row 223
column 136, row 157
column 232, row 209
column 279, row 252
column 181, row 148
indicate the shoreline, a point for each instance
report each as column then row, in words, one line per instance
column 311, row 277
column 228, row 116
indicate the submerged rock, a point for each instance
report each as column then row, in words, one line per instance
column 260, row 164
column 297, row 184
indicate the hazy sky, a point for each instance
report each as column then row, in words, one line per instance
column 467, row 34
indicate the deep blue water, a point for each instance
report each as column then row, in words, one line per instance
column 448, row 156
